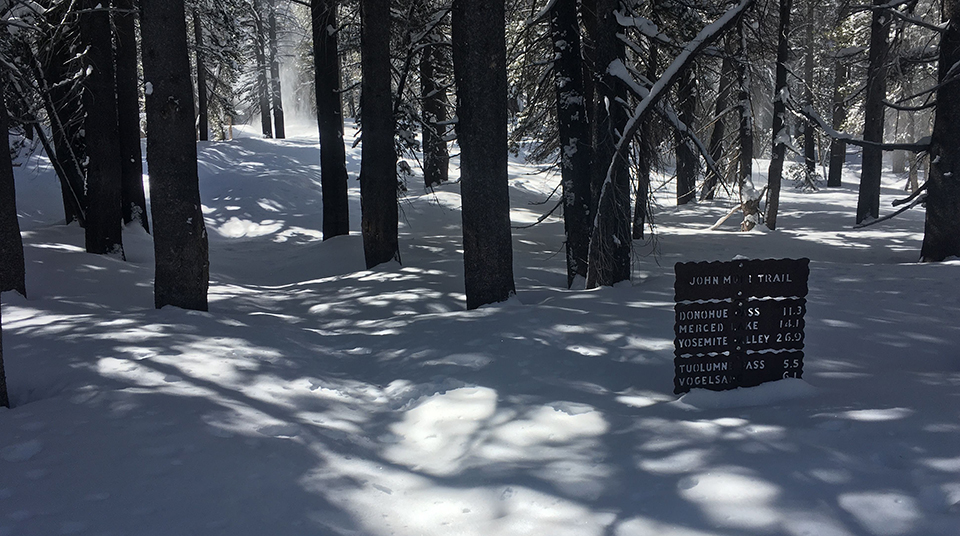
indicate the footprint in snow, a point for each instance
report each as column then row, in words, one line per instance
column 21, row 452
column 284, row 430
column 171, row 378
column 507, row 494
column 688, row 482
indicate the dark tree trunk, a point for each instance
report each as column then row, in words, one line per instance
column 133, row 203
column 750, row 213
column 809, row 131
column 574, row 135
column 275, row 93
column 868, row 200
column 378, row 161
column 647, row 150
column 11, row 245
column 436, row 157
column 941, row 235
column 63, row 106
column 4, row 398
column 333, row 160
column 838, row 148
column 610, row 239
column 104, row 218
column 263, row 85
column 480, row 73
column 719, row 126
column 780, row 133
column 203, row 121
column 687, row 162
column 180, row 237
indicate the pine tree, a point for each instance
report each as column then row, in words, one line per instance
column 133, row 201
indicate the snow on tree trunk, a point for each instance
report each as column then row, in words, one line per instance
column 868, row 200
column 574, row 135
column 103, row 231
column 479, row 67
column 781, row 136
column 378, row 161
column 941, row 234
column 276, row 95
column 133, row 201
column 333, row 160
column 179, row 234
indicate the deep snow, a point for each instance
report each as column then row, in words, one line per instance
column 319, row 398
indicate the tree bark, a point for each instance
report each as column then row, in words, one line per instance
column 868, row 200
column 779, row 117
column 941, row 234
column 378, row 160
column 719, row 126
column 203, row 121
column 480, row 73
column 687, row 161
column 4, row 398
column 11, row 244
column 263, row 85
column 809, row 131
column 180, row 237
column 333, row 163
column 647, row 149
column 838, row 147
column 750, row 212
column 103, row 232
column 275, row 93
column 610, row 239
column 574, row 135
column 133, row 202
column 436, row 157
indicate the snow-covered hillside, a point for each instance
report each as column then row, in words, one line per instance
column 319, row 398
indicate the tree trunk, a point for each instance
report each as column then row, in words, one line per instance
column 913, row 180
column 103, row 232
column 378, row 161
column 133, row 202
column 480, row 73
column 780, row 132
column 436, row 157
column 868, row 200
column 610, row 239
column 941, row 233
column 203, row 121
column 180, row 237
column 719, row 125
column 263, row 85
column 4, row 398
column 275, row 93
column 750, row 210
column 687, row 162
column 333, row 162
column 11, row 244
column 647, row 150
column 574, row 136
column 838, row 147
column 809, row 130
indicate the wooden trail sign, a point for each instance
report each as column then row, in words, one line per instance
column 739, row 323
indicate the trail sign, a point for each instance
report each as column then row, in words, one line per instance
column 739, row 323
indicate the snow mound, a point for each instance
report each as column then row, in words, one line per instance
column 761, row 395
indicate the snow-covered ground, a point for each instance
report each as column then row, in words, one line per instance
column 319, row 398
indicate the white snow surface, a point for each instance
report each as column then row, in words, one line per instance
column 319, row 398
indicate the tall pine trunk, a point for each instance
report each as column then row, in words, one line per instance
column 868, row 200
column 809, row 132
column 4, row 398
column 333, row 160
column 647, row 150
column 275, row 92
column 480, row 73
column 750, row 211
column 433, row 94
column 838, row 147
column 180, row 237
column 203, row 119
column 133, row 202
column 378, row 160
column 780, row 133
column 719, row 132
column 610, row 238
column 687, row 162
column 941, row 234
column 11, row 244
column 103, row 232
column 574, row 135
column 263, row 84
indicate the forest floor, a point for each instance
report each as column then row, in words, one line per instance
column 319, row 398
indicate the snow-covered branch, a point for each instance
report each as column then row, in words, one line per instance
column 919, row 146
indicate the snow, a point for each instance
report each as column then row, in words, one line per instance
column 317, row 397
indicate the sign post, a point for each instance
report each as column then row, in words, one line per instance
column 739, row 323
